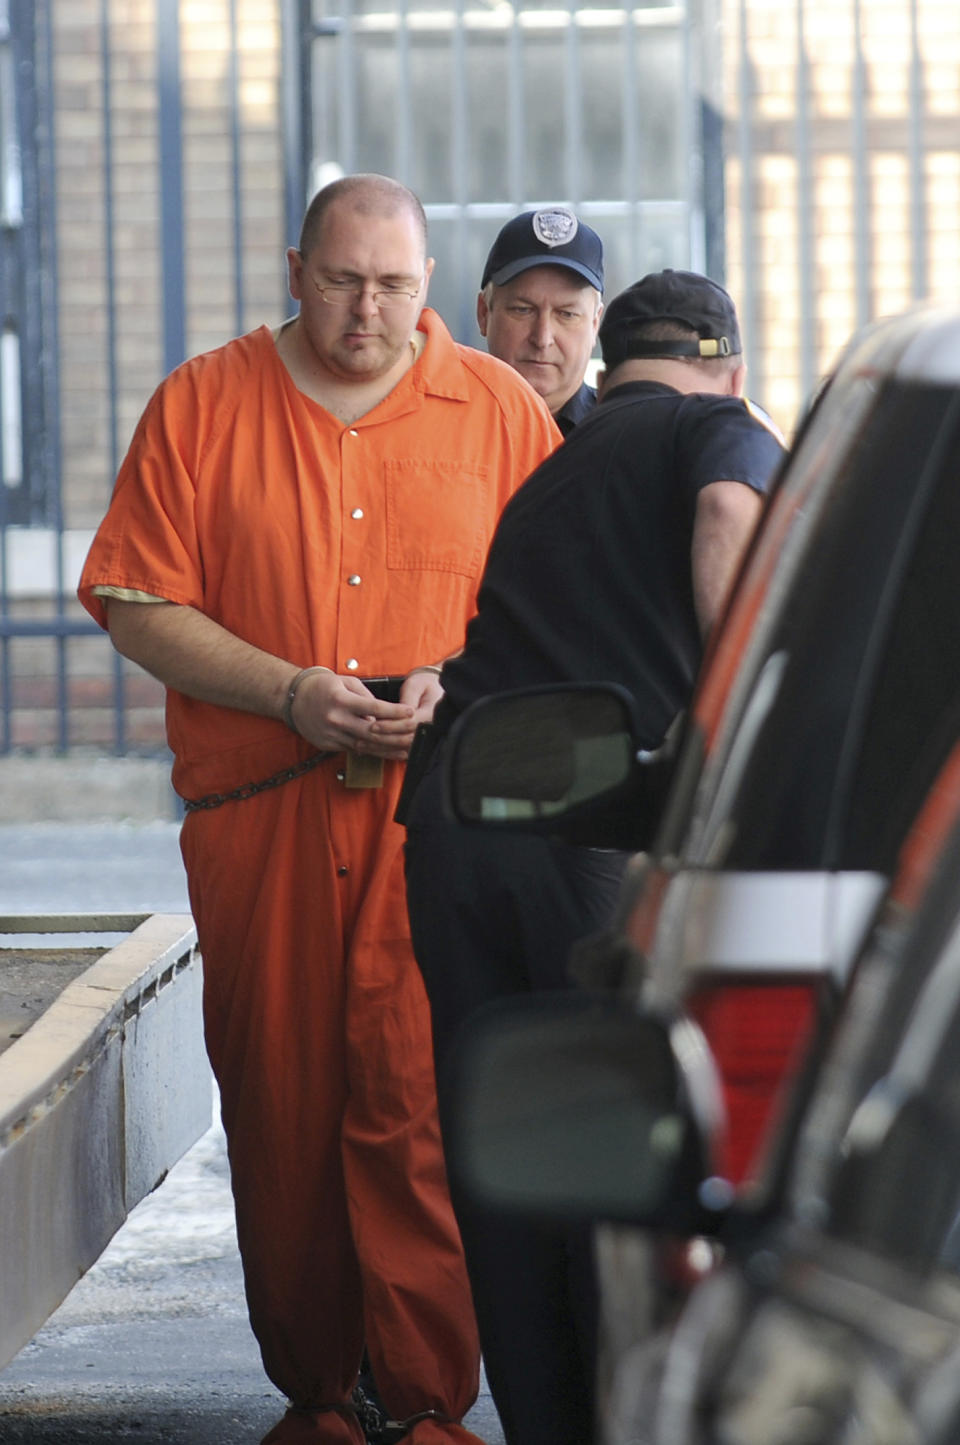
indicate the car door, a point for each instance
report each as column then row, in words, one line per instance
column 838, row 1318
column 823, row 710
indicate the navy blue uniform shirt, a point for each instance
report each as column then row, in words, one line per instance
column 576, row 408
column 589, row 573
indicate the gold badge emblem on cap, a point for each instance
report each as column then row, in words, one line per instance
column 555, row 227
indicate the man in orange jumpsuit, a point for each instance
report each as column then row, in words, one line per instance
column 298, row 511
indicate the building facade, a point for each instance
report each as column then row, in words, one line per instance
column 156, row 155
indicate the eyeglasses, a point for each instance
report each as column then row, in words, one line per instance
column 344, row 293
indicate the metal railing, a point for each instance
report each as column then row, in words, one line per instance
column 41, row 692
column 527, row 103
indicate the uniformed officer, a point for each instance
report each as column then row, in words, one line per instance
column 610, row 563
column 540, row 303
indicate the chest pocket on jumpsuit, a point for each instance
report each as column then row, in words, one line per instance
column 438, row 515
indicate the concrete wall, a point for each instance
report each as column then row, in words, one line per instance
column 98, row 1099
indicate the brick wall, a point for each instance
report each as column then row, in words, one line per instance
column 88, row 448
column 92, row 442
column 776, row 217
column 829, row 209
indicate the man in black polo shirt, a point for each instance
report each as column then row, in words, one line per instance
column 540, row 302
column 610, row 563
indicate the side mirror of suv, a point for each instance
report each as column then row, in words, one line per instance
column 562, row 760
column 576, row 1107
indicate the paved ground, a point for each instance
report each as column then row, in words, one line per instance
column 70, row 868
column 152, row 1345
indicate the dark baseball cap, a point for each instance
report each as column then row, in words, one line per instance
column 682, row 296
column 549, row 237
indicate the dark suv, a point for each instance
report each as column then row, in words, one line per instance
column 825, row 709
column 827, row 702
column 832, row 1313
column 835, row 1319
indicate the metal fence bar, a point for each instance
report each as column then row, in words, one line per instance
column 11, row 255
column 10, row 214
column 110, row 277
column 459, row 118
column 109, row 243
column 171, row 185
column 236, row 157
column 402, row 135
column 6, row 701
column 572, row 107
column 861, row 179
column 46, row 201
column 918, row 233
column 459, row 161
column 516, row 188
column 37, row 329
column 60, row 626
column 47, row 287
column 63, row 687
column 7, row 220
column 710, row 62
column 692, row 147
column 33, row 287
column 296, row 34
column 749, row 311
column 348, row 129
column 630, row 111
column 805, row 211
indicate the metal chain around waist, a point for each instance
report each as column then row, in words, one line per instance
column 250, row 790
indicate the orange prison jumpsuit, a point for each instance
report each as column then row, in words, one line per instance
column 243, row 498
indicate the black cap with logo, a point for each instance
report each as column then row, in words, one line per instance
column 549, row 237
column 686, row 297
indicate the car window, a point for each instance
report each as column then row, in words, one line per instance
column 801, row 797
column 912, row 714
column 825, row 447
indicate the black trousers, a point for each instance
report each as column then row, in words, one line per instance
column 494, row 915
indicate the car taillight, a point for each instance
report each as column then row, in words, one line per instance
column 756, row 1031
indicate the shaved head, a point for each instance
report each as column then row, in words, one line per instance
column 365, row 194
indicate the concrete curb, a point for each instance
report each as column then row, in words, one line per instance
column 98, row 1099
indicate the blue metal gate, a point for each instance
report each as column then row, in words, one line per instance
column 155, row 160
column 84, row 108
